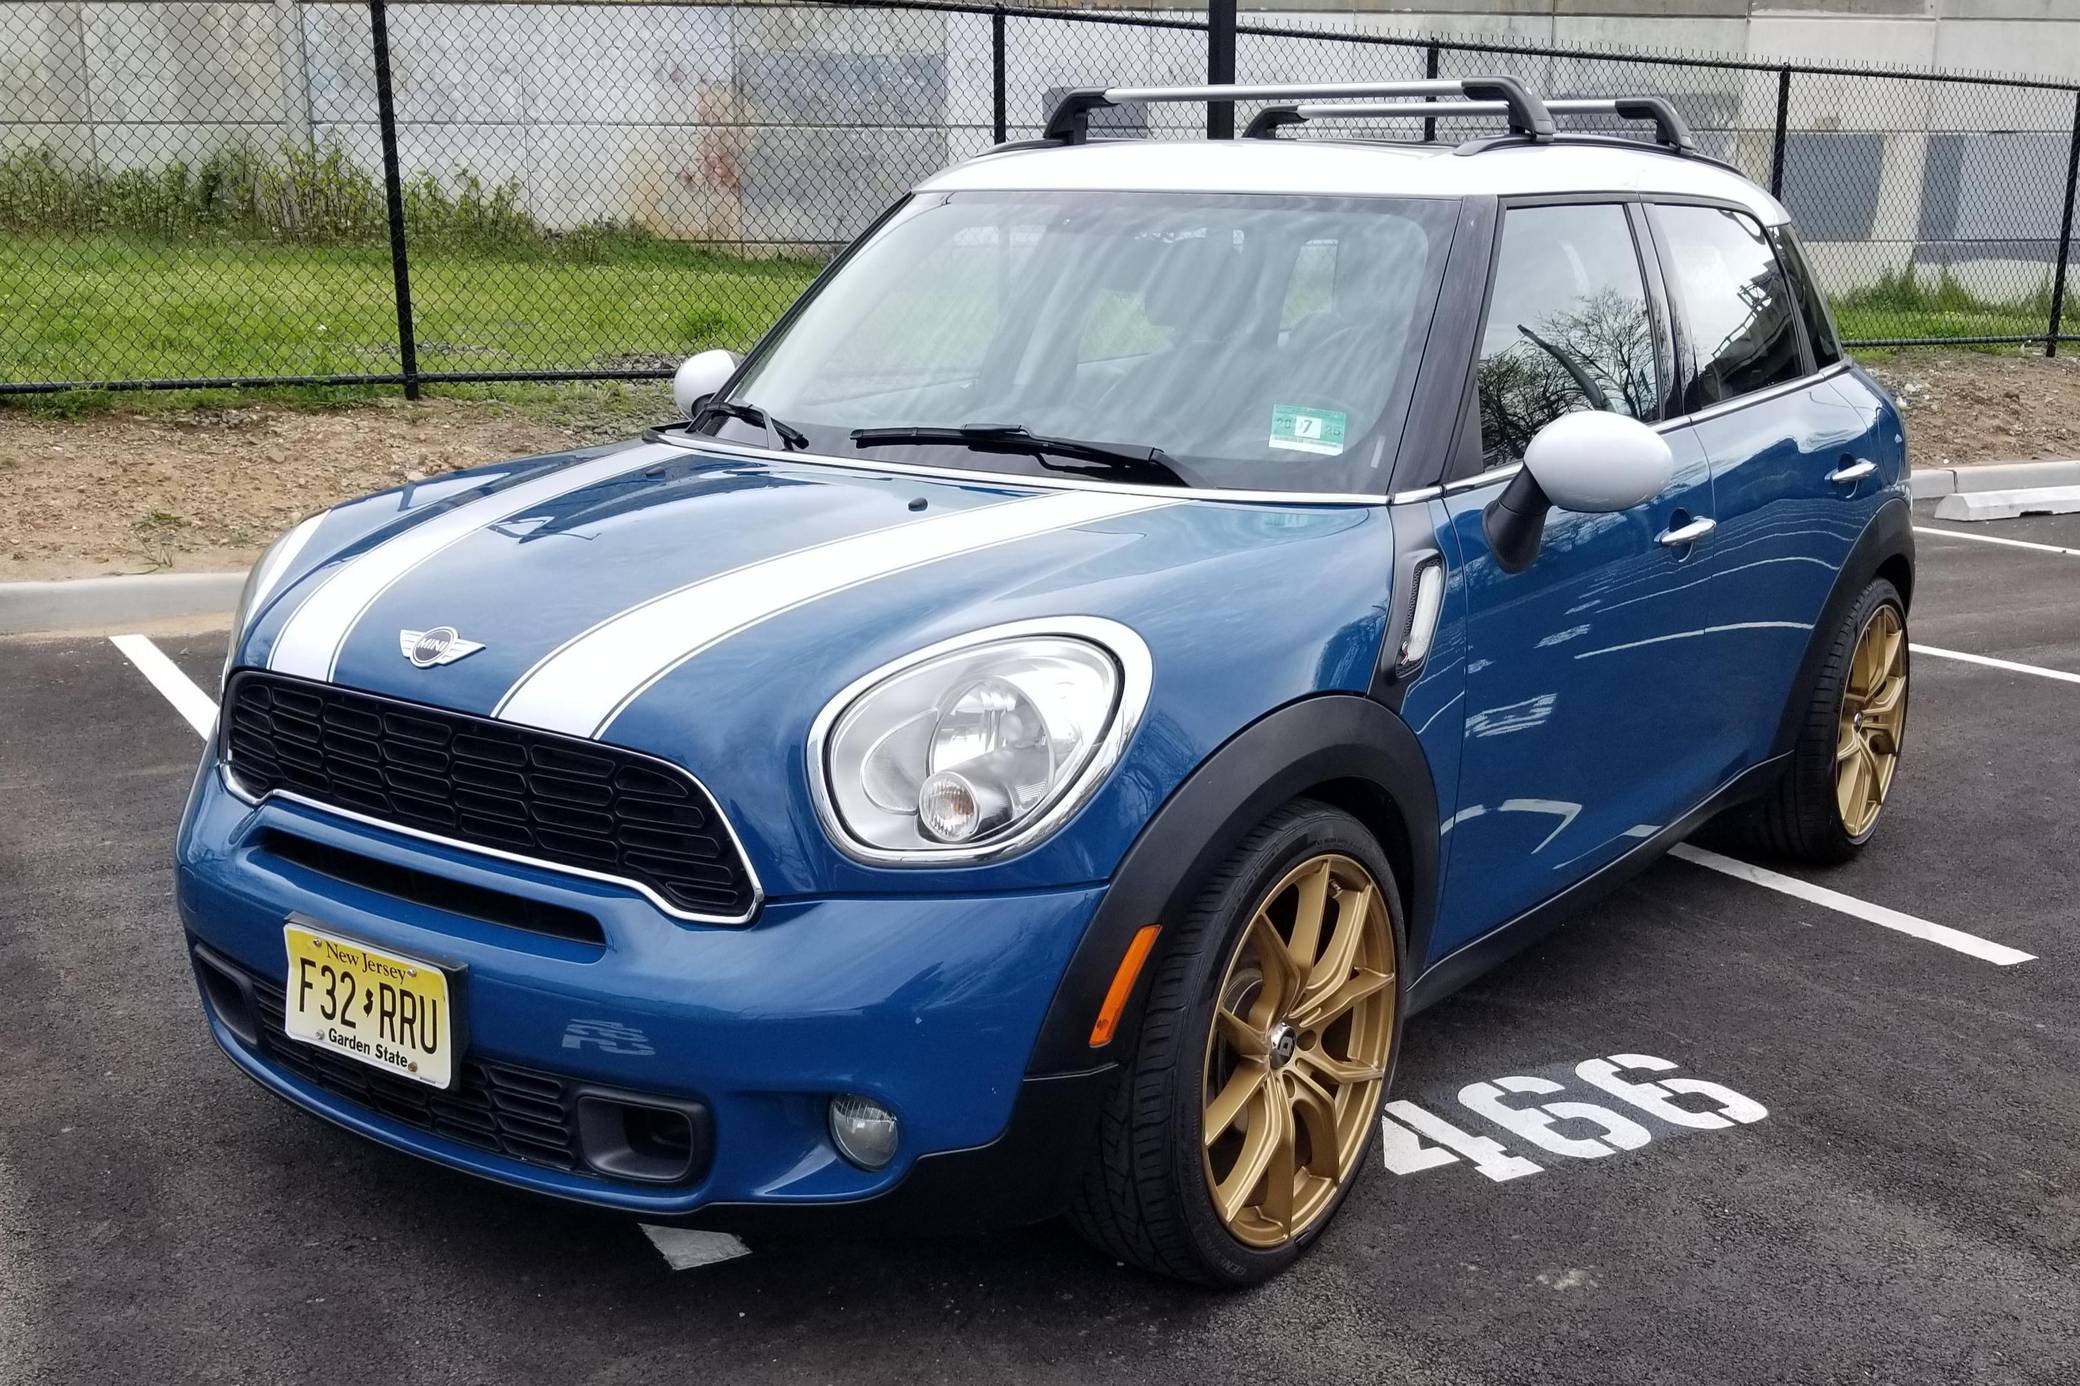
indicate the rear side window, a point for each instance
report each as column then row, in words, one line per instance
column 1742, row 317
column 1827, row 348
column 1568, row 326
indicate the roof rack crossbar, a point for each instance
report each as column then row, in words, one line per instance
column 1669, row 129
column 1276, row 117
column 1069, row 123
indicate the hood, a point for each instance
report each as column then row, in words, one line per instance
column 703, row 607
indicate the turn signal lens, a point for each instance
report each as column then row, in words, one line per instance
column 1123, row 985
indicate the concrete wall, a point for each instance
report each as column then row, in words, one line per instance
column 772, row 128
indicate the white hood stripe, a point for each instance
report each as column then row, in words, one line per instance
column 311, row 640
column 585, row 685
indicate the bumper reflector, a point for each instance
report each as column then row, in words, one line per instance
column 1123, row 984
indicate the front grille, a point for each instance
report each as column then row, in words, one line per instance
column 554, row 799
column 516, row 1112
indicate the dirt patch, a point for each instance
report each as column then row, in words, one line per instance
column 208, row 489
column 1968, row 407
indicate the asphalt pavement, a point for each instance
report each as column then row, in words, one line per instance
column 1890, row 1192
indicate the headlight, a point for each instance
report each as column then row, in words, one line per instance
column 979, row 746
column 266, row 574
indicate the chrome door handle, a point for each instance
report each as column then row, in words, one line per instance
column 1855, row 471
column 1686, row 534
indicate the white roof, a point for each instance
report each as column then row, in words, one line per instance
column 1344, row 168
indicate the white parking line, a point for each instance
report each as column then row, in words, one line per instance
column 1972, row 945
column 173, row 685
column 1995, row 539
column 1990, row 662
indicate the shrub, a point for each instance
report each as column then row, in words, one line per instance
column 315, row 196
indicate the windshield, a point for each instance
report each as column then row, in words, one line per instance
column 1262, row 342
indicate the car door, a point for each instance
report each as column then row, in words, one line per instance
column 1765, row 389
column 1580, row 737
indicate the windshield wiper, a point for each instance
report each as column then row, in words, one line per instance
column 756, row 417
column 1151, row 464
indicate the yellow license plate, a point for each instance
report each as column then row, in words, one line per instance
column 389, row 1012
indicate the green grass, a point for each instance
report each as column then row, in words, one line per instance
column 129, row 307
column 1905, row 304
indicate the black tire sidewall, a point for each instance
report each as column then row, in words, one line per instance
column 1302, row 831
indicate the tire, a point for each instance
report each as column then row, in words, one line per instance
column 1144, row 1195
column 1802, row 818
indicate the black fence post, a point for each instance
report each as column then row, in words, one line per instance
column 1776, row 154
column 1220, row 66
column 2065, row 236
column 996, row 74
column 393, row 192
column 1430, row 71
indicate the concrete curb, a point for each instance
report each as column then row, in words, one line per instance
column 2006, row 505
column 104, row 603
column 1998, row 476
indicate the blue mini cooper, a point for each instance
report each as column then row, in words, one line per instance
column 1152, row 617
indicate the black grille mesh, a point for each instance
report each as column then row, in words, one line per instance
column 554, row 798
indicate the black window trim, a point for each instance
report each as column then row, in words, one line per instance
column 1686, row 355
column 1468, row 463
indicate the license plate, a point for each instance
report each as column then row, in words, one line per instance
column 390, row 1012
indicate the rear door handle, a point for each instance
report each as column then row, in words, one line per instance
column 1686, row 534
column 1855, row 471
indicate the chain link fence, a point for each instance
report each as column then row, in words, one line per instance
column 300, row 191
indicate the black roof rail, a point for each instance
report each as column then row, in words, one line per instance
column 1069, row 123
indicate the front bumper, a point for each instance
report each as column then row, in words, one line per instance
column 931, row 1005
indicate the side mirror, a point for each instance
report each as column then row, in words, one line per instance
column 700, row 376
column 1593, row 462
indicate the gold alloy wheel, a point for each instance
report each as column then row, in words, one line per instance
column 1297, row 1053
column 1874, row 713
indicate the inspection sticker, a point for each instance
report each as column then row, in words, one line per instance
column 1307, row 430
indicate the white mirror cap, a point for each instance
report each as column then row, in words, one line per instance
column 1594, row 461
column 701, row 375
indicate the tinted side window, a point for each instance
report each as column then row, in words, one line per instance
column 1743, row 321
column 1827, row 348
column 1568, row 326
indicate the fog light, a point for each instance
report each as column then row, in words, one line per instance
column 863, row 1130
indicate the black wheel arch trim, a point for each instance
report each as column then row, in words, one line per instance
column 1345, row 748
column 1886, row 546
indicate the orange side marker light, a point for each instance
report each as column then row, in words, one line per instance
column 1123, row 984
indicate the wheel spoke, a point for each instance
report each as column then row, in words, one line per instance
column 1241, row 1036
column 1849, row 787
column 1324, row 1012
column 1340, row 956
column 1315, row 1112
column 1242, row 1085
column 1282, row 1173
column 1259, row 1143
column 1885, row 703
column 1310, row 909
column 1846, row 747
column 1337, row 1071
column 1281, row 974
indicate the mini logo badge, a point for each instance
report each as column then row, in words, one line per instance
column 441, row 645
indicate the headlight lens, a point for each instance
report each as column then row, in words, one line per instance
column 979, row 746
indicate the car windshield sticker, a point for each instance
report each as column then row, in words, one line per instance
column 1307, row 430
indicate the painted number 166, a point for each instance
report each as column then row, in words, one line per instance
column 1405, row 1127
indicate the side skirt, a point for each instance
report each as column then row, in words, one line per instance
column 1456, row 969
